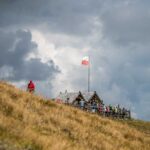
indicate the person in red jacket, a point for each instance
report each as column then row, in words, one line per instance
column 31, row 87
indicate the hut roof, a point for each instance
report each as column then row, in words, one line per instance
column 88, row 95
column 71, row 95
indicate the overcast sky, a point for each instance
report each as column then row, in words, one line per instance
column 45, row 40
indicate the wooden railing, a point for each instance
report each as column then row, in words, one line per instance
column 121, row 113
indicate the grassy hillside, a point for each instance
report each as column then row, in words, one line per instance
column 28, row 122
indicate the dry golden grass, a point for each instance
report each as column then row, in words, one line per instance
column 29, row 121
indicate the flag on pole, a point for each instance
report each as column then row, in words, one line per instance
column 85, row 60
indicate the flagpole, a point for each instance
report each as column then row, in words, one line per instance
column 89, row 75
column 86, row 61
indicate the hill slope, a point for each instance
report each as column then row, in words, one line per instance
column 29, row 122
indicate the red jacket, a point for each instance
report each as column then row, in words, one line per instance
column 31, row 86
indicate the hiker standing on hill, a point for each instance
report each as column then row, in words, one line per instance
column 31, row 87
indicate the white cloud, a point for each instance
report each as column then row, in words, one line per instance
column 65, row 56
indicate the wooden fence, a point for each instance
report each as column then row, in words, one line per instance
column 121, row 113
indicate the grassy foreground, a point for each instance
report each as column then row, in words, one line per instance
column 28, row 122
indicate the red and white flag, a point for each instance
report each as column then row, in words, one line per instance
column 85, row 60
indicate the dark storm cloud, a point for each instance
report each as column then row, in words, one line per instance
column 122, row 21
column 14, row 49
column 127, row 23
column 66, row 16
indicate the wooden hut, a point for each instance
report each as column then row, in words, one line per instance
column 91, row 99
column 73, row 98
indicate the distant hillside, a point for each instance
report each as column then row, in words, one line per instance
column 28, row 122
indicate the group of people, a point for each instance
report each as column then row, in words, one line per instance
column 114, row 111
